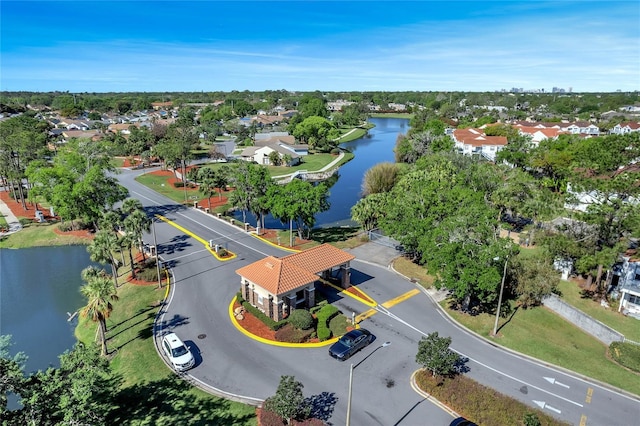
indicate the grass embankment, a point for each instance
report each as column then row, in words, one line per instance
column 150, row 392
column 480, row 403
column 542, row 334
column 575, row 296
column 391, row 115
column 39, row 235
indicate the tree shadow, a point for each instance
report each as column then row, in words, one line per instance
column 140, row 312
column 321, row 405
column 175, row 321
column 150, row 315
column 334, row 234
column 170, row 401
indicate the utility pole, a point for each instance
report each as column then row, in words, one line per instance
column 504, row 274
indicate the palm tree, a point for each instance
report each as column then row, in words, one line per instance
column 137, row 223
column 101, row 250
column 206, row 177
column 99, row 294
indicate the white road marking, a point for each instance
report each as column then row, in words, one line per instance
column 554, row 381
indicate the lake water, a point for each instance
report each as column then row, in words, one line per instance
column 375, row 147
column 39, row 287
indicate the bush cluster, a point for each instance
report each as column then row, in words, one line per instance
column 273, row 325
column 269, row 418
column 290, row 334
column 626, row 354
column 301, row 319
column 148, row 273
column 324, row 315
column 479, row 403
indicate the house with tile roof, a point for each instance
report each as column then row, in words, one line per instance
column 476, row 142
column 624, row 128
column 277, row 286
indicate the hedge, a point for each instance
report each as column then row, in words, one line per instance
column 273, row 325
column 483, row 405
column 324, row 315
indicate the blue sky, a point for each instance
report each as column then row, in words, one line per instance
column 122, row 46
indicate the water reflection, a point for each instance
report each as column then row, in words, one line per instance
column 40, row 288
column 345, row 190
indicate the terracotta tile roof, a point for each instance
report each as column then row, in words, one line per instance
column 319, row 258
column 276, row 276
column 477, row 138
column 280, row 276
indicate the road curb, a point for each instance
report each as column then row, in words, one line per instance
column 428, row 397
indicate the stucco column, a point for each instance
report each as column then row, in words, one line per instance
column 310, row 296
column 270, row 310
column 345, row 273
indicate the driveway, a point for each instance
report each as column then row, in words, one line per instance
column 232, row 364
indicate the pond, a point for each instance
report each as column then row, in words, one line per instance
column 375, row 147
column 39, row 292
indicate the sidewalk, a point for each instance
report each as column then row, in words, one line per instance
column 12, row 220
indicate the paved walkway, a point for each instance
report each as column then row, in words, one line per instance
column 12, row 220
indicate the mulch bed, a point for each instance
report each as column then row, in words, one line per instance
column 254, row 326
column 19, row 211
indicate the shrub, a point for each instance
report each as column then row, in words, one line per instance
column 477, row 402
column 301, row 319
column 178, row 184
column 148, row 273
column 338, row 325
column 335, row 151
column 269, row 418
column 323, row 333
column 626, row 354
column 290, row 334
column 324, row 315
column 273, row 325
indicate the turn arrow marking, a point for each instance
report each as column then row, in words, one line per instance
column 544, row 405
column 554, row 381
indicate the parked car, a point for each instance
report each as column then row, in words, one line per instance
column 178, row 353
column 350, row 343
column 461, row 421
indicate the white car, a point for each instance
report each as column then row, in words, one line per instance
column 178, row 353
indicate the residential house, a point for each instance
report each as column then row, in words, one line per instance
column 628, row 286
column 626, row 127
column 277, row 286
column 476, row 142
column 161, row 105
column 538, row 134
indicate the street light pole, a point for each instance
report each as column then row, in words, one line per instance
column 504, row 274
column 384, row 345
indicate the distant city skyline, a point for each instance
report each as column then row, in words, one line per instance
column 169, row 46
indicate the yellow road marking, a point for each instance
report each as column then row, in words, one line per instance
column 202, row 240
column 583, row 420
column 589, row 395
column 401, row 298
column 366, row 314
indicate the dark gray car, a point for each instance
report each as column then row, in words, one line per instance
column 350, row 343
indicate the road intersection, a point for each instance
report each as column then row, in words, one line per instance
column 231, row 364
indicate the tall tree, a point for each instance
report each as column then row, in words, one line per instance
column 99, row 293
column 288, row 402
column 101, row 250
column 434, row 355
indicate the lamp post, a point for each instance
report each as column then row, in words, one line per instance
column 504, row 274
column 384, row 345
column 155, row 244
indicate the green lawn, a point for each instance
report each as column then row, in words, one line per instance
column 150, row 392
column 160, row 185
column 540, row 333
column 573, row 295
column 38, row 235
column 391, row 115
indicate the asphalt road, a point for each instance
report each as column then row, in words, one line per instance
column 228, row 362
